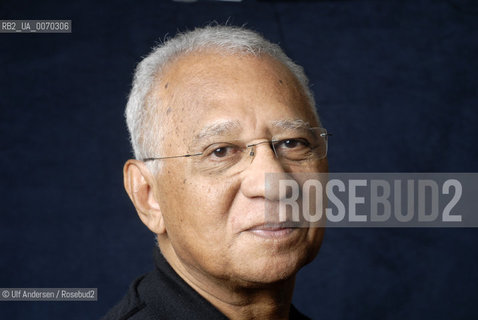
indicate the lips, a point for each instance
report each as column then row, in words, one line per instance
column 273, row 230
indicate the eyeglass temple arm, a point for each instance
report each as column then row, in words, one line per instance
column 172, row 157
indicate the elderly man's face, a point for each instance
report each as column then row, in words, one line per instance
column 213, row 217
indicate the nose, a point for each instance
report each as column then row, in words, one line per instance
column 261, row 178
column 252, row 153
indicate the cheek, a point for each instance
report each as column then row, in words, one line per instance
column 212, row 198
column 197, row 220
column 199, row 204
column 315, row 237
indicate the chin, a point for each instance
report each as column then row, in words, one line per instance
column 269, row 270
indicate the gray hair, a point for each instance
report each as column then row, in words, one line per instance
column 141, row 116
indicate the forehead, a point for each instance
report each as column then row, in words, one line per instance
column 212, row 70
column 202, row 88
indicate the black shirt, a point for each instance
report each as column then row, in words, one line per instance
column 163, row 294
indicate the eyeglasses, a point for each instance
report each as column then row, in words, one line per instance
column 294, row 149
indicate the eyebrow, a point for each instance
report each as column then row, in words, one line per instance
column 222, row 128
column 225, row 128
column 291, row 124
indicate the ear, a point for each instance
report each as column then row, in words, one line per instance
column 140, row 186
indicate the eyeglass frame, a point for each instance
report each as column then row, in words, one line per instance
column 252, row 145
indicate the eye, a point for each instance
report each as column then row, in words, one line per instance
column 292, row 143
column 221, row 152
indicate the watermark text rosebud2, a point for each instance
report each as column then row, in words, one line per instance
column 372, row 199
column 49, row 294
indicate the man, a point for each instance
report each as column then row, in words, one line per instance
column 210, row 113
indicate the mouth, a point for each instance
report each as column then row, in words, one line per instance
column 273, row 230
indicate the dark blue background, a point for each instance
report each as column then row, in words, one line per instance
column 395, row 81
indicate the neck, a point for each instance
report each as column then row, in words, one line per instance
column 236, row 299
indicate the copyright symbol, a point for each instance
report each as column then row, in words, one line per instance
column 5, row 293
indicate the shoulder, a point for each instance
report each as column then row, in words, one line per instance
column 130, row 307
column 296, row 314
